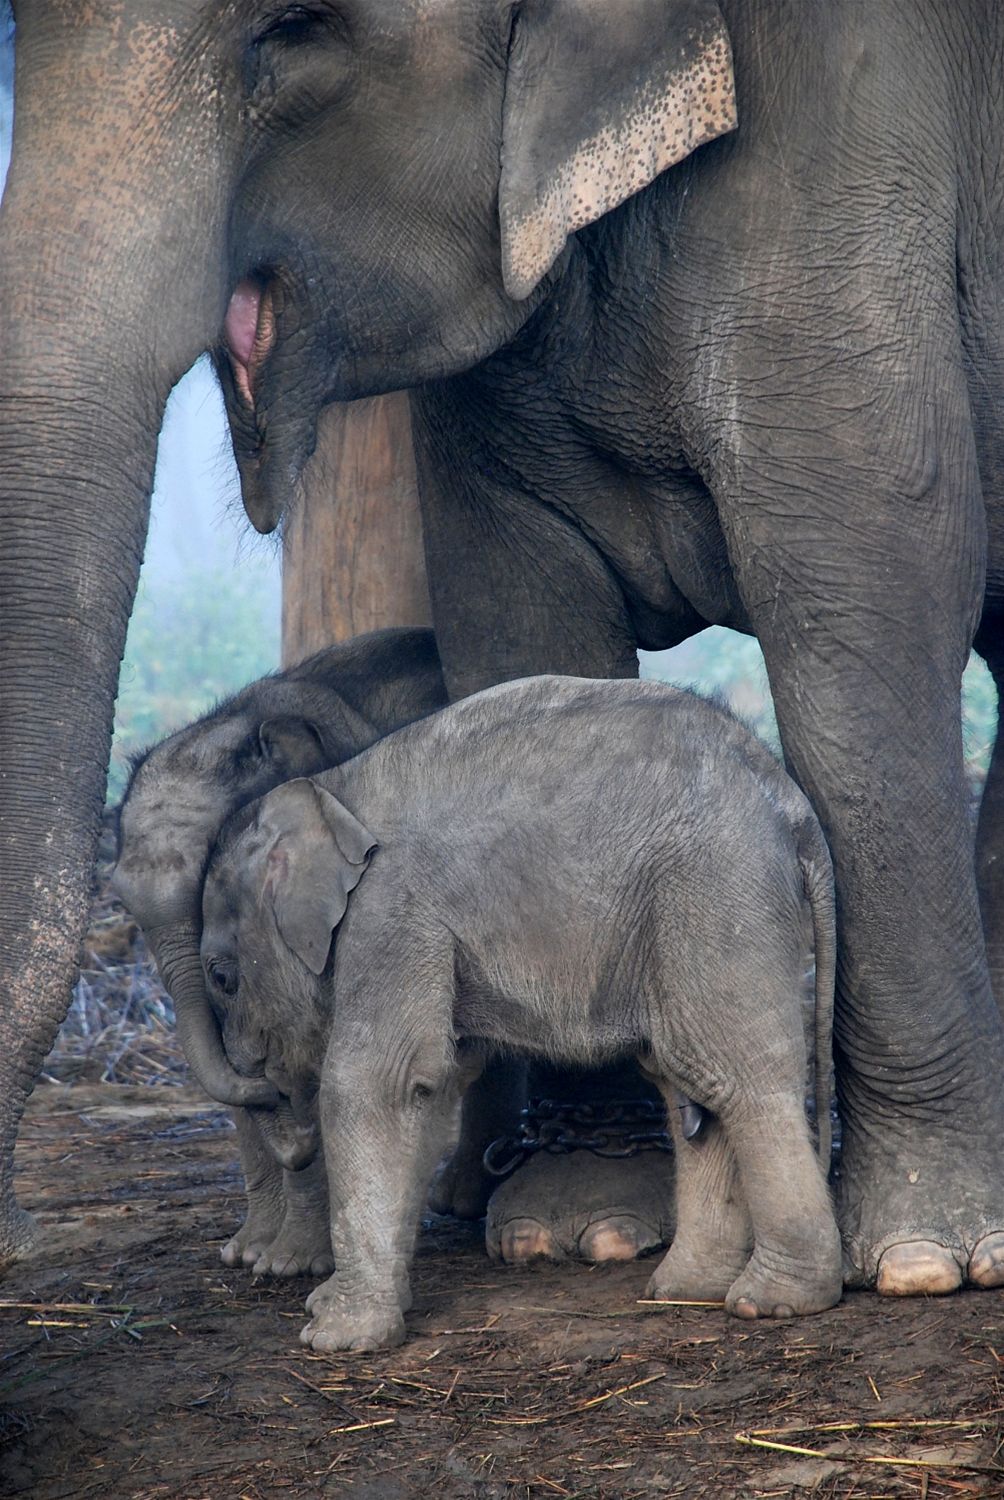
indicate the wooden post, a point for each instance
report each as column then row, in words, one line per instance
column 352, row 557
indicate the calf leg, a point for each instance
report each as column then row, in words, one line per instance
column 285, row 1231
column 264, row 1189
column 714, row 1234
column 490, row 1109
column 389, row 1090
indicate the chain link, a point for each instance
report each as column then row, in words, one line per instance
column 615, row 1128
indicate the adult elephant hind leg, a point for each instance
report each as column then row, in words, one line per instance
column 865, row 600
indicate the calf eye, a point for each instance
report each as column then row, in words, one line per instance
column 223, row 976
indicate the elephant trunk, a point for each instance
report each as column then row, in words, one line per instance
column 176, row 949
column 68, row 573
column 103, row 306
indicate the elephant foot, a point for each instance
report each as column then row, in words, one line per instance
column 771, row 1291
column 582, row 1207
column 922, row 1220
column 683, row 1277
column 249, row 1244
column 340, row 1321
column 461, row 1186
column 302, row 1244
column 299, row 1249
column 17, row 1236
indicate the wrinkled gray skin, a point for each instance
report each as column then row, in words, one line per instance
column 315, row 715
column 762, row 385
column 575, row 870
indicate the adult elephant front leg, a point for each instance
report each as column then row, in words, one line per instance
column 518, row 590
column 990, row 829
column 102, row 308
column 865, row 600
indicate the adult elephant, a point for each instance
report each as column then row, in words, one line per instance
column 761, row 389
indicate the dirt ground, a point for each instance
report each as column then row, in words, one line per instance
column 135, row 1365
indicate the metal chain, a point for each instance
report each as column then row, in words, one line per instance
column 614, row 1128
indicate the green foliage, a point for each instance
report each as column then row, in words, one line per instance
column 189, row 644
column 217, row 629
column 722, row 662
column 979, row 717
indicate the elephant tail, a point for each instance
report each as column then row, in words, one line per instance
column 817, row 876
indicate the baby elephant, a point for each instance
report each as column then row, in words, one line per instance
column 577, row 870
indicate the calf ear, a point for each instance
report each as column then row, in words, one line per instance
column 600, row 98
column 293, row 745
column 316, row 853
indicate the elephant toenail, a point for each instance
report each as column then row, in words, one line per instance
column 986, row 1268
column 744, row 1308
column 619, row 1238
column 526, row 1239
column 917, row 1268
column 782, row 1310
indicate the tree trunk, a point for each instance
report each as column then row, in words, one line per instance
column 352, row 555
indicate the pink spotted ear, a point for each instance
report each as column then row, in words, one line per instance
column 601, row 96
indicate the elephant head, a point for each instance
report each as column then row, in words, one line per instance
column 348, row 196
column 182, row 791
column 276, row 889
column 420, row 170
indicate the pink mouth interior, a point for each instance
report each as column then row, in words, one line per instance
column 249, row 331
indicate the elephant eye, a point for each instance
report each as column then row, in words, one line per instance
column 295, row 23
column 223, row 976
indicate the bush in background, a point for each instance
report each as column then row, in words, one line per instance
column 731, row 666
column 189, row 645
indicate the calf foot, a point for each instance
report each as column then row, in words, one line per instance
column 299, row 1249
column 461, row 1186
column 341, row 1321
column 302, row 1244
column 921, row 1214
column 255, row 1235
column 683, row 1277
column 583, row 1207
column 772, row 1287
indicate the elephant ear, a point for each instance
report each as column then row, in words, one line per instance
column 292, row 744
column 600, row 98
column 298, row 746
column 317, row 853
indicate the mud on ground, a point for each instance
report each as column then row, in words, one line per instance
column 133, row 1364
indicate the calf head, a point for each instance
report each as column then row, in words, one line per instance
column 276, row 889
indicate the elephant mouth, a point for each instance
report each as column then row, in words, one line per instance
column 273, row 426
column 250, row 332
